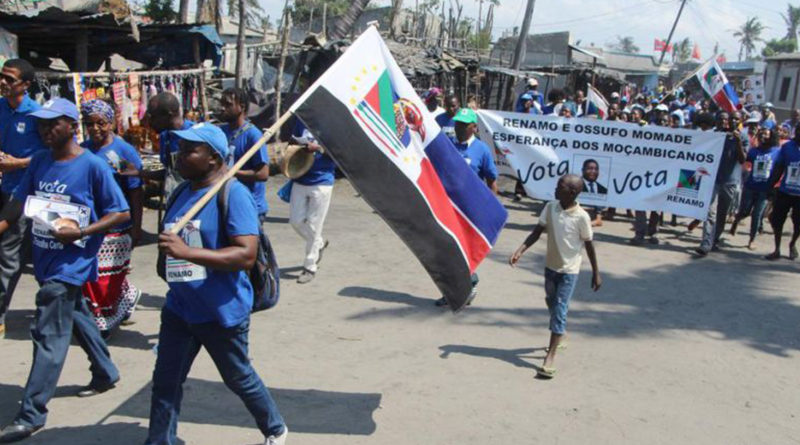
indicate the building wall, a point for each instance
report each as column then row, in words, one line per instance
column 783, row 86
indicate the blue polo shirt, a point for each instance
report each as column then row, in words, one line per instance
column 168, row 145
column 117, row 154
column 86, row 180
column 18, row 137
column 447, row 124
column 239, row 141
column 322, row 170
column 201, row 294
column 789, row 157
column 479, row 158
column 727, row 172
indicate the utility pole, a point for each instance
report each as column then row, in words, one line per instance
column 671, row 31
column 241, row 52
column 519, row 50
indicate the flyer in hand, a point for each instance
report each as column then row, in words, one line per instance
column 48, row 216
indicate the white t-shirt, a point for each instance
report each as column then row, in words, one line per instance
column 567, row 230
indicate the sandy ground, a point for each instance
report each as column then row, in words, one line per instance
column 671, row 350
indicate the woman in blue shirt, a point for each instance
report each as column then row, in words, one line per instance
column 112, row 298
column 757, row 186
column 210, row 295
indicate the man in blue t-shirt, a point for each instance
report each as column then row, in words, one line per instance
column 787, row 170
column 475, row 152
column 73, row 199
column 164, row 116
column 19, row 140
column 242, row 135
column 445, row 119
column 479, row 158
column 725, row 186
column 210, row 295
column 309, row 202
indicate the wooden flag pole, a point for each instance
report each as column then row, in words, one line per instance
column 271, row 131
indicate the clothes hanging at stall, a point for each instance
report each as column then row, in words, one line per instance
column 129, row 92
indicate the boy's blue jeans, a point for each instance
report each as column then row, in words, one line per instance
column 178, row 345
column 558, row 289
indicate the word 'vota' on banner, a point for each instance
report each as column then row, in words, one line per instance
column 622, row 165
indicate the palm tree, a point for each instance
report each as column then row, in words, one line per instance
column 683, row 50
column 344, row 25
column 749, row 34
column 792, row 20
column 625, row 45
column 254, row 13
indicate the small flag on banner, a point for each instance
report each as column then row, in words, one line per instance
column 372, row 123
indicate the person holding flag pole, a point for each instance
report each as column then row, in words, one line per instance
column 378, row 131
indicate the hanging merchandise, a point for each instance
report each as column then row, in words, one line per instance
column 135, row 94
column 78, row 88
column 118, row 88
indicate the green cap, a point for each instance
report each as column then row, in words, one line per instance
column 466, row 115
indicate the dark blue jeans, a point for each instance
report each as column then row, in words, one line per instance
column 60, row 312
column 178, row 345
column 753, row 202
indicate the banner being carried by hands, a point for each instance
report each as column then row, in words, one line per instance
column 622, row 165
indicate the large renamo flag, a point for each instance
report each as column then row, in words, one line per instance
column 372, row 123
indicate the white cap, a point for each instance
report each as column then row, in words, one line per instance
column 768, row 105
column 755, row 117
column 614, row 95
column 533, row 82
column 662, row 107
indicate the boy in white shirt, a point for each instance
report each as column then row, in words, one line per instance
column 567, row 226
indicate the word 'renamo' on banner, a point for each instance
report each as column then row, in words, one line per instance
column 622, row 165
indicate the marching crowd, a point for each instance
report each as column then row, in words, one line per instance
column 758, row 176
column 82, row 263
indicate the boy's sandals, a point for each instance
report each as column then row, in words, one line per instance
column 560, row 347
column 546, row 373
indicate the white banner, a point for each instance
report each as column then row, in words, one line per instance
column 623, row 165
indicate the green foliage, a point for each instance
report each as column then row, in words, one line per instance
column 302, row 9
column 624, row 44
column 481, row 41
column 749, row 34
column 683, row 50
column 160, row 11
column 778, row 46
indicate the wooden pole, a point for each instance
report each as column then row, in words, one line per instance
column 287, row 24
column 519, row 50
column 198, row 206
column 669, row 39
column 241, row 51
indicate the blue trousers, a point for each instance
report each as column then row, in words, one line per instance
column 753, row 202
column 178, row 345
column 60, row 312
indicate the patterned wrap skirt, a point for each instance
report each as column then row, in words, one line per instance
column 112, row 299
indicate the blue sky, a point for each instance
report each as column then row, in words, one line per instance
column 600, row 21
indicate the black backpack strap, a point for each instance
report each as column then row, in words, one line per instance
column 222, row 207
column 171, row 200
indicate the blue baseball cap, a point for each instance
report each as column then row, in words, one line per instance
column 208, row 134
column 56, row 108
column 526, row 96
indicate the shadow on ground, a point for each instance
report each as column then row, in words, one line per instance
column 305, row 410
column 513, row 356
column 729, row 296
